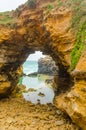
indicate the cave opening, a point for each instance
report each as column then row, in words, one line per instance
column 39, row 71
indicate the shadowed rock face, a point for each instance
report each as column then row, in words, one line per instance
column 46, row 65
column 51, row 33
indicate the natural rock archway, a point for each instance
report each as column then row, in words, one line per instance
column 34, row 32
column 51, row 32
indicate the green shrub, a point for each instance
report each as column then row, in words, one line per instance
column 49, row 8
column 80, row 43
column 79, row 11
column 20, row 81
column 7, row 20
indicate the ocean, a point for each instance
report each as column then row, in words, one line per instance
column 30, row 67
column 43, row 93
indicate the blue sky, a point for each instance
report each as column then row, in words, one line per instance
column 8, row 5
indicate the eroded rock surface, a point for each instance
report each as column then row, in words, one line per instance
column 17, row 114
column 33, row 30
column 46, row 65
column 74, row 101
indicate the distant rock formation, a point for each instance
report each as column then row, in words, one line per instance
column 47, row 66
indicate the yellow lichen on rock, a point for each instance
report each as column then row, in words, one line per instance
column 4, row 87
column 4, row 34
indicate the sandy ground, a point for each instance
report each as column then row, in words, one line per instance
column 18, row 114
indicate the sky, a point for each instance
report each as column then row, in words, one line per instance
column 8, row 5
column 35, row 56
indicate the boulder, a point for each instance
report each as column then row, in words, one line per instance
column 46, row 65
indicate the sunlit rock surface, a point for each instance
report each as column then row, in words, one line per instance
column 74, row 103
column 33, row 30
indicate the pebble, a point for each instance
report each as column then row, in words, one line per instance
column 58, row 112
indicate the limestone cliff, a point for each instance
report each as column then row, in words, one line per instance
column 46, row 65
column 57, row 28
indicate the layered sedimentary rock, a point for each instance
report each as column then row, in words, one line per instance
column 46, row 65
column 32, row 31
column 52, row 29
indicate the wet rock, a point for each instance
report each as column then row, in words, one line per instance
column 41, row 94
column 49, row 81
column 33, row 74
column 31, row 90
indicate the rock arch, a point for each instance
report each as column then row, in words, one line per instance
column 31, row 34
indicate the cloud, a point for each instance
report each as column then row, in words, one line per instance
column 8, row 5
column 34, row 57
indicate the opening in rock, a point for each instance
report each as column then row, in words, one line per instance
column 38, row 77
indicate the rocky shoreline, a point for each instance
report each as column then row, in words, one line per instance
column 18, row 114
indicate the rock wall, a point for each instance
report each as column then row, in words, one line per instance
column 32, row 32
column 52, row 29
column 46, row 65
column 73, row 102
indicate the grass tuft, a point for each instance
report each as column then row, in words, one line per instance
column 49, row 8
column 78, row 48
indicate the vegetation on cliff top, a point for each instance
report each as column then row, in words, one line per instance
column 79, row 45
column 49, row 8
column 79, row 25
column 79, row 13
column 6, row 19
column 78, row 8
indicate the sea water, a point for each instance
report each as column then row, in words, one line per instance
column 44, row 93
column 30, row 67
